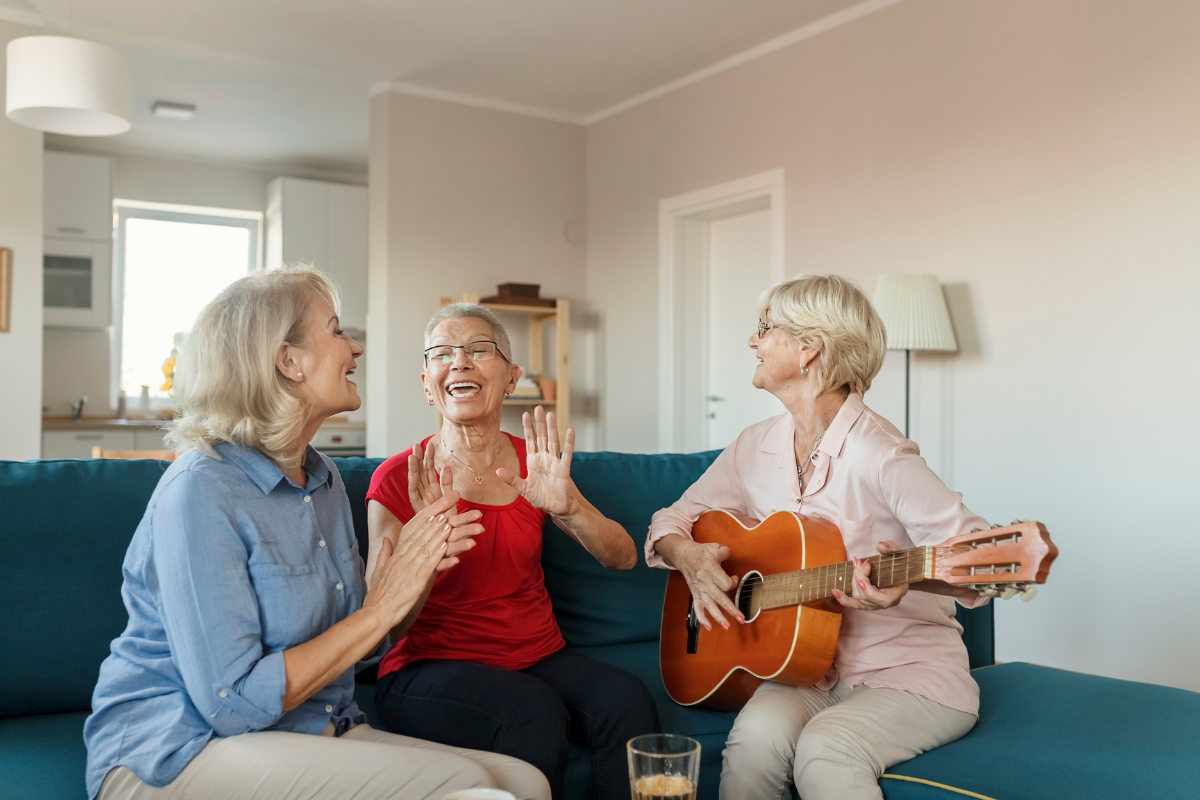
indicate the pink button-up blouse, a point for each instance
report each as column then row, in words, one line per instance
column 872, row 483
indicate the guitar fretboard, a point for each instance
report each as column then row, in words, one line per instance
column 818, row 583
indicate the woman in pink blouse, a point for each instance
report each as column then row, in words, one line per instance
column 899, row 684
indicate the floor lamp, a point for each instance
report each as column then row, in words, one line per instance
column 914, row 313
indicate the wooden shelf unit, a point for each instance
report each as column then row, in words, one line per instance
column 538, row 316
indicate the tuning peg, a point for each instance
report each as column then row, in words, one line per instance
column 1008, row 592
column 1029, row 593
column 976, row 530
column 988, row 591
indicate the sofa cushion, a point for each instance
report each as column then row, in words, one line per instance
column 43, row 757
column 1045, row 732
column 594, row 606
column 66, row 527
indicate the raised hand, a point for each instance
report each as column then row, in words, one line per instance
column 548, row 485
column 423, row 488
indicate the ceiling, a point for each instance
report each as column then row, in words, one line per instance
column 288, row 81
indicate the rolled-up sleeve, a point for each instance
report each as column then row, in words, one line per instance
column 210, row 611
column 719, row 487
column 923, row 504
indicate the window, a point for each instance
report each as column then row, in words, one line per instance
column 171, row 261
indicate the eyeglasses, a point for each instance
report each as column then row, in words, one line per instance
column 763, row 327
column 476, row 351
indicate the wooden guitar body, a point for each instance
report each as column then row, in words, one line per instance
column 793, row 645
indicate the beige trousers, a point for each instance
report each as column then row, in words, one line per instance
column 363, row 764
column 833, row 746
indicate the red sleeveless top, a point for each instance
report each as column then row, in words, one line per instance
column 492, row 607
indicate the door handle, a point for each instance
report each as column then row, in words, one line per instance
column 712, row 398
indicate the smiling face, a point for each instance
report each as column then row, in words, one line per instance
column 327, row 358
column 465, row 390
column 780, row 359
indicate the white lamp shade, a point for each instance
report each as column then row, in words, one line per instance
column 914, row 313
column 63, row 85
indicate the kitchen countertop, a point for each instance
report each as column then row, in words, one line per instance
column 50, row 423
column 65, row 423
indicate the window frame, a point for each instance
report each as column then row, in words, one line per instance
column 125, row 210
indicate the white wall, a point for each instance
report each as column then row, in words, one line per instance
column 1043, row 158
column 462, row 199
column 21, row 231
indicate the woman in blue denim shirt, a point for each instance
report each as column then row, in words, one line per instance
column 244, row 584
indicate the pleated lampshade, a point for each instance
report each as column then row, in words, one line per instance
column 914, row 312
column 64, row 85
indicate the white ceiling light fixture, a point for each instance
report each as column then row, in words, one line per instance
column 60, row 84
column 171, row 110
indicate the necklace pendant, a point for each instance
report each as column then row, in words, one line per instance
column 479, row 479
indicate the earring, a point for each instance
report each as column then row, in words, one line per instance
column 299, row 374
column 507, row 395
column 431, row 401
column 803, row 369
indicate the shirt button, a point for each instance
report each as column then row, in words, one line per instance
column 339, row 587
column 328, row 709
column 223, row 693
column 322, row 543
column 307, row 499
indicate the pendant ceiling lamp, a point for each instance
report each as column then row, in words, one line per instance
column 59, row 84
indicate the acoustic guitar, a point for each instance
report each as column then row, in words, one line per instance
column 789, row 566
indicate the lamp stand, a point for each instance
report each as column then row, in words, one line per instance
column 907, row 360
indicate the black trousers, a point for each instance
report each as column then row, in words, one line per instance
column 530, row 714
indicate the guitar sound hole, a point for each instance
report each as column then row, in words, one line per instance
column 748, row 594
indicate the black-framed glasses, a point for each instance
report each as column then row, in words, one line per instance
column 476, row 351
column 763, row 327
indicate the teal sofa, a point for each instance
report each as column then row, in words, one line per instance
column 65, row 525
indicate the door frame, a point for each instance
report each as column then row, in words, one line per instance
column 680, row 217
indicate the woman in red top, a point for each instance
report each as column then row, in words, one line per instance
column 480, row 662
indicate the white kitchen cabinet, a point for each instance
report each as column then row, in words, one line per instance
column 77, row 196
column 323, row 224
column 341, row 439
column 149, row 439
column 79, row 443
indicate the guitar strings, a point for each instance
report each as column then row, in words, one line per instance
column 815, row 583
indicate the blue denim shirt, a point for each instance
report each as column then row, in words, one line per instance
column 232, row 564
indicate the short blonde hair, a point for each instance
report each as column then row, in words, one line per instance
column 831, row 315
column 226, row 382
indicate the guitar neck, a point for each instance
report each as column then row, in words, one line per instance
column 818, row 583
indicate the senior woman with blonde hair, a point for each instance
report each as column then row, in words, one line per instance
column 480, row 661
column 899, row 684
column 247, row 607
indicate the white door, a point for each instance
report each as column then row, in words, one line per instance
column 739, row 271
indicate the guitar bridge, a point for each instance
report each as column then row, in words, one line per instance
column 693, row 628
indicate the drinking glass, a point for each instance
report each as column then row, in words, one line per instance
column 663, row 766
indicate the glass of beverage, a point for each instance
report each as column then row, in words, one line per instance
column 663, row 766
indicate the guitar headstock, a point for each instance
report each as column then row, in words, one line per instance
column 998, row 561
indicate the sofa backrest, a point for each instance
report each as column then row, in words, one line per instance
column 65, row 527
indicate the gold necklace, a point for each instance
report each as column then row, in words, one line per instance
column 478, row 475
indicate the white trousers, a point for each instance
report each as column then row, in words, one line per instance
column 833, row 746
column 363, row 764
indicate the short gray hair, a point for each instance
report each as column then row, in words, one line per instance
column 226, row 381
column 471, row 311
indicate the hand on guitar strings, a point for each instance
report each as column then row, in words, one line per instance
column 866, row 597
column 710, row 586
